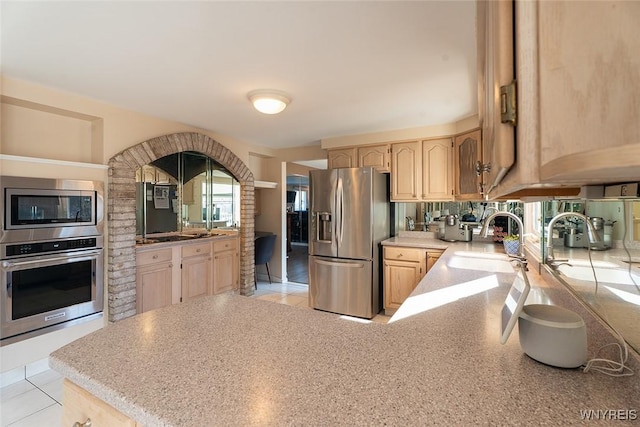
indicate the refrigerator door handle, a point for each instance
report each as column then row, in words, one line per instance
column 340, row 200
column 341, row 264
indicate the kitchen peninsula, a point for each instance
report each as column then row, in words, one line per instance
column 232, row 360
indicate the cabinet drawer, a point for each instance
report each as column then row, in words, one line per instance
column 224, row 245
column 153, row 257
column 194, row 250
column 80, row 405
column 404, row 254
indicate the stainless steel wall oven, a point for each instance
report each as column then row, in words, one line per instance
column 51, row 255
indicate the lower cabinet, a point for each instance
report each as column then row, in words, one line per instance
column 196, row 271
column 226, row 272
column 154, row 282
column 403, row 269
column 81, row 408
column 177, row 273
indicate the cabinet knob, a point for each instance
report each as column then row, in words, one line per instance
column 155, row 257
column 399, row 255
column 84, row 424
column 197, row 250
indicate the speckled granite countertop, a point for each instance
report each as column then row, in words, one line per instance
column 232, row 360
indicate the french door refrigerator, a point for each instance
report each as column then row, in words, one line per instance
column 349, row 215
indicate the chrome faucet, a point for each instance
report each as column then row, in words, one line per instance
column 483, row 220
column 516, row 218
column 592, row 235
column 520, row 258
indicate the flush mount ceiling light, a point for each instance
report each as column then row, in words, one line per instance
column 269, row 101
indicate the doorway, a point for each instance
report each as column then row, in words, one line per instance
column 297, row 228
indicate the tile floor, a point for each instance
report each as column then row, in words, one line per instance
column 37, row 400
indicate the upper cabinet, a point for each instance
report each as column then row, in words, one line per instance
column 437, row 170
column 406, row 167
column 589, row 67
column 342, row 158
column 578, row 81
column 422, row 170
column 495, row 75
column 376, row 156
column 467, row 157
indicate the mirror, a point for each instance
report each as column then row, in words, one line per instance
column 614, row 292
column 185, row 190
column 473, row 213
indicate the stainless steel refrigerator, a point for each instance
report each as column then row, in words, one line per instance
column 349, row 217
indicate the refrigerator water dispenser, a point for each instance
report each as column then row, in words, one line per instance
column 323, row 220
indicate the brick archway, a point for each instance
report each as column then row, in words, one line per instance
column 121, row 215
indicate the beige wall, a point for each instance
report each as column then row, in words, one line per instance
column 461, row 126
column 48, row 115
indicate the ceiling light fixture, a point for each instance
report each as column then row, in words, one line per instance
column 269, row 101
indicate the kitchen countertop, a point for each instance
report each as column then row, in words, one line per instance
column 233, row 360
column 155, row 241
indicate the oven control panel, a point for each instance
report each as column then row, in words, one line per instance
column 33, row 248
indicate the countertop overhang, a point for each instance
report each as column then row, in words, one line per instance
column 233, row 360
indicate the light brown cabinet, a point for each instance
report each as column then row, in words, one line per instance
column 154, row 283
column 422, row 170
column 437, row 171
column 225, row 266
column 576, row 97
column 467, row 155
column 403, row 269
column 197, row 272
column 433, row 255
column 377, row 156
column 176, row 273
column 81, row 406
column 342, row 158
column 406, row 171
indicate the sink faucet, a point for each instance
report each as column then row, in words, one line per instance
column 516, row 218
column 592, row 234
column 521, row 259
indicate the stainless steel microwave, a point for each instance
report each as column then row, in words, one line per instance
column 40, row 209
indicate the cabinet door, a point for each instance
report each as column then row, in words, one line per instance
column 403, row 269
column 343, row 158
column 375, row 156
column 196, row 277
column 437, row 165
column 432, row 257
column 589, row 91
column 400, row 279
column 80, row 405
column 406, row 171
column 225, row 276
column 495, row 68
column 468, row 152
column 153, row 286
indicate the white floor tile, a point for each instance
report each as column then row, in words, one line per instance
column 23, row 405
column 38, row 367
column 49, row 416
column 54, row 389
column 11, row 391
column 12, row 376
column 44, row 378
column 293, row 300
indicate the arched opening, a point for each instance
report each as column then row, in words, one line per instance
column 121, row 215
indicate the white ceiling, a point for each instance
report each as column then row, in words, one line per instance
column 350, row 67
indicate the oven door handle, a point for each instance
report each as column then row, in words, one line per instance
column 43, row 262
